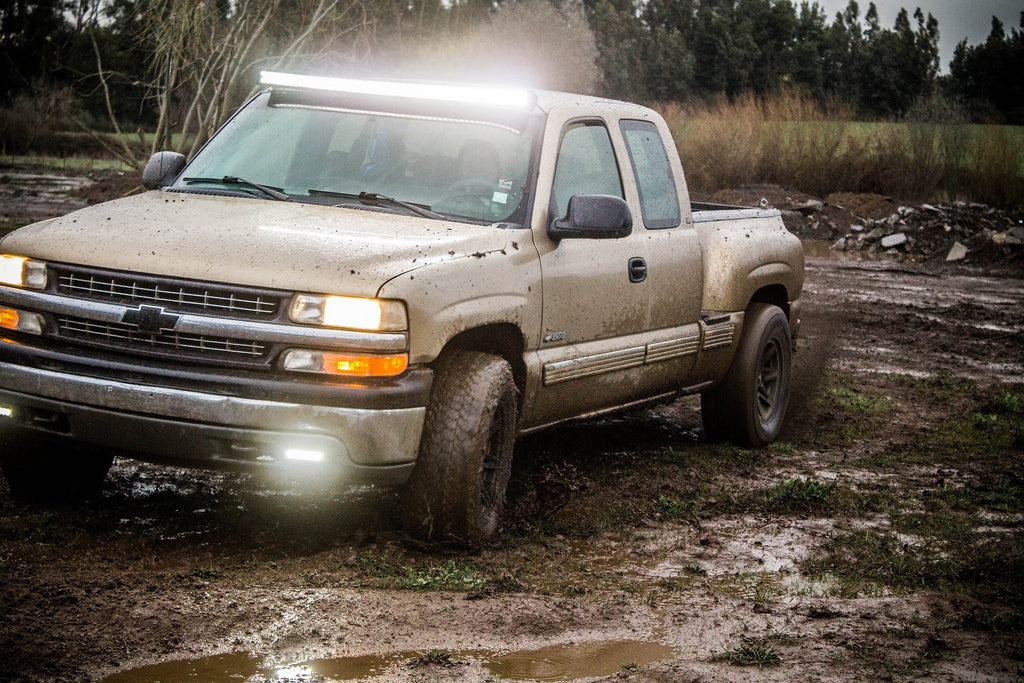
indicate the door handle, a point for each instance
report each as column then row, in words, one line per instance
column 637, row 269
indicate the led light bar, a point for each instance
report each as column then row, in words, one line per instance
column 517, row 98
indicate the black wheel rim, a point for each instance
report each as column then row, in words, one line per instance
column 769, row 380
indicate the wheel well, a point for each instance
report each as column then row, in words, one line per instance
column 774, row 295
column 501, row 339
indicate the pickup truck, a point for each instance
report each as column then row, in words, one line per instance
column 386, row 283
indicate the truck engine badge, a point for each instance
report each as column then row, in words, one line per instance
column 150, row 319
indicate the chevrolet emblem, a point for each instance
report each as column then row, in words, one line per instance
column 150, row 319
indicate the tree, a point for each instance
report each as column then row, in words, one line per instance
column 988, row 75
column 30, row 34
column 621, row 40
column 204, row 56
column 901, row 64
column 809, row 49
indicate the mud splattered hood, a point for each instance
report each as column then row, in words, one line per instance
column 255, row 242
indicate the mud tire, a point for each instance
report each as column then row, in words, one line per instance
column 456, row 493
column 749, row 405
column 39, row 469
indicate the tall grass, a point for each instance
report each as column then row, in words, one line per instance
column 792, row 140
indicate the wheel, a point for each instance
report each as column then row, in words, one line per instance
column 47, row 470
column 457, row 491
column 749, row 405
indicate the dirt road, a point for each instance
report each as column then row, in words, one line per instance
column 883, row 537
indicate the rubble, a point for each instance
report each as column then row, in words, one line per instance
column 809, row 207
column 957, row 252
column 893, row 240
column 872, row 225
column 959, row 232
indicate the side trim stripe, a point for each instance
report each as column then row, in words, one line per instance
column 717, row 336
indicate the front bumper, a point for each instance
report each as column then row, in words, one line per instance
column 360, row 442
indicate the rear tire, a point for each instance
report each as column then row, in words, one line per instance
column 41, row 469
column 749, row 405
column 457, row 491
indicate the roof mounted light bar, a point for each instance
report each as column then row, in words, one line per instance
column 514, row 98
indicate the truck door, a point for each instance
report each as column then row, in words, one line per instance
column 596, row 303
column 674, row 263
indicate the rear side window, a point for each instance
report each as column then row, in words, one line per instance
column 586, row 165
column 659, row 198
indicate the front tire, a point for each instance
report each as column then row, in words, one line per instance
column 749, row 405
column 457, row 491
column 41, row 469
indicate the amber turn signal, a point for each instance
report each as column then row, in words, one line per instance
column 345, row 364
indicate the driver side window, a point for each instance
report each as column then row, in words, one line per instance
column 586, row 165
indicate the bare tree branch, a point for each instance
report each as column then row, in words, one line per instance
column 123, row 150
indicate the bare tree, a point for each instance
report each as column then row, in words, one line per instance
column 205, row 54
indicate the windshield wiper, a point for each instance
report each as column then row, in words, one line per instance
column 374, row 199
column 272, row 192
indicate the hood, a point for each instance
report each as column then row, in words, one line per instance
column 256, row 242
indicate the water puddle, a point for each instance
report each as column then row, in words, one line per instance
column 553, row 663
column 28, row 197
column 566, row 662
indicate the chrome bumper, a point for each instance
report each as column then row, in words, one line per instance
column 209, row 430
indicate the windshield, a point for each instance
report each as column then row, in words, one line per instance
column 463, row 169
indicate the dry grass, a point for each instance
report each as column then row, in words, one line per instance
column 791, row 140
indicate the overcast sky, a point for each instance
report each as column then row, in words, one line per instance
column 958, row 19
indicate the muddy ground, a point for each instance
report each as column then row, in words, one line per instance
column 881, row 537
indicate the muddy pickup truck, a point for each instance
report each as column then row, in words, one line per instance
column 387, row 283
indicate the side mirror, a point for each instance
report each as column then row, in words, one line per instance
column 161, row 169
column 594, row 216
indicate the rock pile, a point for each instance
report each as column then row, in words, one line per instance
column 929, row 232
column 957, row 232
column 878, row 225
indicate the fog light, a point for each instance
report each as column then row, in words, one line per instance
column 6, row 412
column 304, row 455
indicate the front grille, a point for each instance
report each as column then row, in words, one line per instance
column 179, row 295
column 120, row 336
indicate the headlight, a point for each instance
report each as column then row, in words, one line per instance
column 350, row 312
column 22, row 272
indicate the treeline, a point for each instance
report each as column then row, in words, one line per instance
column 179, row 66
column 679, row 50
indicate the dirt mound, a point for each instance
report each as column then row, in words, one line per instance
column 114, row 186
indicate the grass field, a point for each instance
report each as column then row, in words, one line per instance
column 72, row 164
column 792, row 141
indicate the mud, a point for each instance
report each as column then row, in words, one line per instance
column 26, row 197
column 632, row 550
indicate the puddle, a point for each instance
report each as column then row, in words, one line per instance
column 566, row 662
column 27, row 197
column 553, row 663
